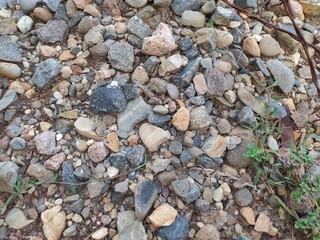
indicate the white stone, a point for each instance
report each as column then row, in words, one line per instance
column 218, row 194
column 25, row 24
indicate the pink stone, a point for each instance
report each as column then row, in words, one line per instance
column 81, row 4
column 97, row 152
column 46, row 142
column 160, row 43
column 54, row 163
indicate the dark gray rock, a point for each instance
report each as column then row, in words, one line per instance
column 275, row 109
column 61, row 13
column 190, row 91
column 77, row 206
column 110, row 33
column 131, row 91
column 240, row 57
column 246, row 3
column 108, row 99
column 235, row 156
column 208, row 162
column 8, row 176
column 3, row 230
column 175, row 147
column 237, row 35
column 137, row 27
column 261, row 66
column 202, row 205
column 9, row 98
column 198, row 100
column 158, row 120
column 63, row 126
column 243, row 197
column 183, row 78
column 83, row 172
column 75, row 19
column 18, row 143
column 185, row 43
column 189, row 192
column 27, row 5
column 135, row 41
column 87, row 23
column 246, row 118
column 192, row 52
column 45, row 73
column 179, row 6
column 190, row 153
column 151, row 64
column 216, row 82
column 118, row 160
column 101, row 49
column 178, row 230
column 9, row 52
column 53, row 31
column 136, row 156
column 121, row 57
column 117, row 197
column 52, row 4
column 68, row 176
column 145, row 194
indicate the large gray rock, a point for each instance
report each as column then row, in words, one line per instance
column 45, row 73
column 235, row 156
column 137, row 27
column 9, row 52
column 282, row 74
column 144, row 197
column 121, row 57
column 108, row 99
column 136, row 111
column 179, row 6
column 9, row 98
column 129, row 228
column 8, row 176
column 53, row 31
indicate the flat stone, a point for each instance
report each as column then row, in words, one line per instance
column 263, row 223
column 153, row 136
column 215, row 146
column 8, row 176
column 9, row 98
column 190, row 153
column 129, row 228
column 53, row 31
column 145, row 194
column 282, row 74
column 177, row 230
column 7, row 26
column 166, row 178
column 39, row 171
column 200, row 84
column 181, row 119
column 249, row 100
column 45, row 73
column 137, row 27
column 85, row 126
column 16, row 219
column 53, row 223
column 248, row 215
column 108, row 99
column 160, row 43
column 172, row 64
column 121, row 57
column 136, row 111
column 9, row 52
column 180, row 6
column 193, row 19
column 163, row 215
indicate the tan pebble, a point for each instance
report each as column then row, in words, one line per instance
column 262, row 223
column 251, row 47
column 248, row 215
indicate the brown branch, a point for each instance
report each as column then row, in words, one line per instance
column 298, row 36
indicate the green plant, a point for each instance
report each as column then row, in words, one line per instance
column 21, row 187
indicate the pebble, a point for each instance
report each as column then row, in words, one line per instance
column 243, row 197
column 25, row 24
column 214, row 146
column 139, row 76
column 16, row 219
column 10, row 51
column 246, row 118
column 189, row 192
column 251, row 47
column 136, row 3
column 269, row 47
column 97, row 152
column 101, row 233
column 199, row 118
column 248, row 215
column 53, row 31
column 121, row 57
column 8, row 176
column 208, row 7
column 85, row 126
column 153, row 136
column 177, row 230
column 129, row 227
column 9, row 70
column 181, row 119
column 216, row 82
column 172, row 64
column 249, row 100
column 217, row 195
column 54, row 222
column 137, row 27
column 18, row 143
column 193, row 18
column 45, row 73
column 235, row 156
column 208, row 232
column 43, row 14
column 46, row 142
column 263, row 223
column 54, row 163
column 163, row 215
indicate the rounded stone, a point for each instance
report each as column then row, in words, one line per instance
column 18, row 143
column 243, row 197
column 269, row 47
column 136, row 3
column 9, row 70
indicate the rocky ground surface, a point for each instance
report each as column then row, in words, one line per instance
column 146, row 107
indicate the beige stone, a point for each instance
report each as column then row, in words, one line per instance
column 172, row 64
column 208, row 232
column 9, row 70
column 251, row 47
column 269, row 47
column 248, row 215
column 193, row 19
column 153, row 136
column 163, row 215
column 160, row 43
column 215, row 146
column 81, row 4
column 66, row 56
column 112, row 142
column 140, row 75
column 47, row 51
column 262, row 223
column 100, row 233
column 45, row 126
column 200, row 84
column 54, row 222
column 84, row 127
column 71, row 114
column 43, row 14
column 248, row 99
column 181, row 119
column 92, row 10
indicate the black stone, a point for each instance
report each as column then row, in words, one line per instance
column 158, row 120
column 131, row 91
column 185, row 43
column 118, row 160
column 117, row 197
column 208, row 162
column 192, row 52
column 75, row 19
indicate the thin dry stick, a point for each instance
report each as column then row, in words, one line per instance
column 298, row 36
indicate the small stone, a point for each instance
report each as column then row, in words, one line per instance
column 193, row 19
column 263, row 223
column 172, row 64
column 181, row 118
column 53, row 31
column 282, row 74
column 269, row 47
column 54, row 223
column 9, row 70
column 39, row 171
column 180, row 6
column 163, row 215
column 243, row 197
column 43, row 14
column 46, row 142
column 129, row 228
column 145, row 194
column 216, row 82
column 249, row 100
column 137, row 27
column 81, row 4
column 7, row 26
column 18, row 143
column 177, row 230
column 223, row 126
column 160, row 43
column 246, row 118
column 16, row 219
column 208, row 7
column 251, row 47
column 121, row 57
column 166, row 178
column 211, row 163
column 188, row 191
column 248, row 215
column 214, row 146
column 9, row 52
column 217, row 194
column 101, row 233
column 136, row 3
column 272, row 143
column 25, row 24
column 45, row 73
column 222, row 16
column 208, row 232
column 153, row 136
column 54, row 163
column 97, row 152
column 199, row 118
column 224, row 39
column 200, row 84
column 85, row 126
column 235, row 156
